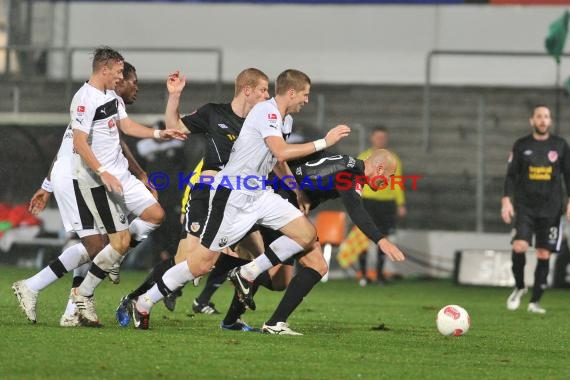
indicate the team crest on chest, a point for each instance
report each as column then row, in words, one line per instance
column 194, row 227
column 552, row 156
column 223, row 241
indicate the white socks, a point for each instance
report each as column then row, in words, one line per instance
column 140, row 229
column 71, row 258
column 283, row 247
column 174, row 278
column 104, row 261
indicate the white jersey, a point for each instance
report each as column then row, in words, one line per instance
column 64, row 165
column 97, row 113
column 250, row 155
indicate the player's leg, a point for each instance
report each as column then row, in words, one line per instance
column 299, row 235
column 313, row 268
column 524, row 227
column 76, row 217
column 247, row 249
column 548, row 239
column 230, row 217
column 69, row 317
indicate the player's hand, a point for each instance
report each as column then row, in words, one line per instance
column 112, row 184
column 143, row 177
column 336, row 134
column 568, row 210
column 507, row 211
column 39, row 201
column 303, row 201
column 172, row 134
column 175, row 82
column 391, row 250
column 402, row 211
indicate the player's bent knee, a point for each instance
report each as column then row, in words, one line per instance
column 315, row 261
column 542, row 254
column 154, row 214
column 520, row 246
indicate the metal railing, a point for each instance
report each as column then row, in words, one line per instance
column 69, row 53
column 466, row 53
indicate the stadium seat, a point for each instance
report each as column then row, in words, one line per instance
column 331, row 227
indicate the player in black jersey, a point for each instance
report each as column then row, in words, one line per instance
column 537, row 164
column 324, row 176
column 220, row 123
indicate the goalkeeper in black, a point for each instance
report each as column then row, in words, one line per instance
column 533, row 195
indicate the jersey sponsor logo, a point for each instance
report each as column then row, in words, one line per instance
column 540, row 173
column 223, row 126
column 80, row 110
column 527, row 152
column 553, row 156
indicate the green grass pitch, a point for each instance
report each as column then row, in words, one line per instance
column 340, row 342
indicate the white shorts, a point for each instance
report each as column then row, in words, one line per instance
column 110, row 210
column 74, row 212
column 232, row 213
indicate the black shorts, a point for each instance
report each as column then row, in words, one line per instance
column 196, row 212
column 383, row 214
column 547, row 231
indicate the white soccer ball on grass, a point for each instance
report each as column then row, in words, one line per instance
column 453, row 320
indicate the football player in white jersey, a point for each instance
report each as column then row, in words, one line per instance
column 75, row 215
column 236, row 205
column 109, row 190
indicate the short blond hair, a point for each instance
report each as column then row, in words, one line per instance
column 291, row 79
column 249, row 77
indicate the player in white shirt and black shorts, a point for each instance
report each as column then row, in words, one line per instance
column 240, row 200
column 110, row 191
column 75, row 215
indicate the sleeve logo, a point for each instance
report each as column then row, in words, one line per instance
column 80, row 110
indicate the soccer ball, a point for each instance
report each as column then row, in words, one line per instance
column 453, row 320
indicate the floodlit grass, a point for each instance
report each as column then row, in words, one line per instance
column 340, row 321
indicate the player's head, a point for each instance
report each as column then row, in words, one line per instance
column 253, row 84
column 380, row 165
column 294, row 86
column 127, row 87
column 378, row 137
column 108, row 66
column 540, row 119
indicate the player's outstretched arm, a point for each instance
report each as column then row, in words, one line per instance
column 391, row 250
column 284, row 151
column 132, row 128
column 175, row 85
